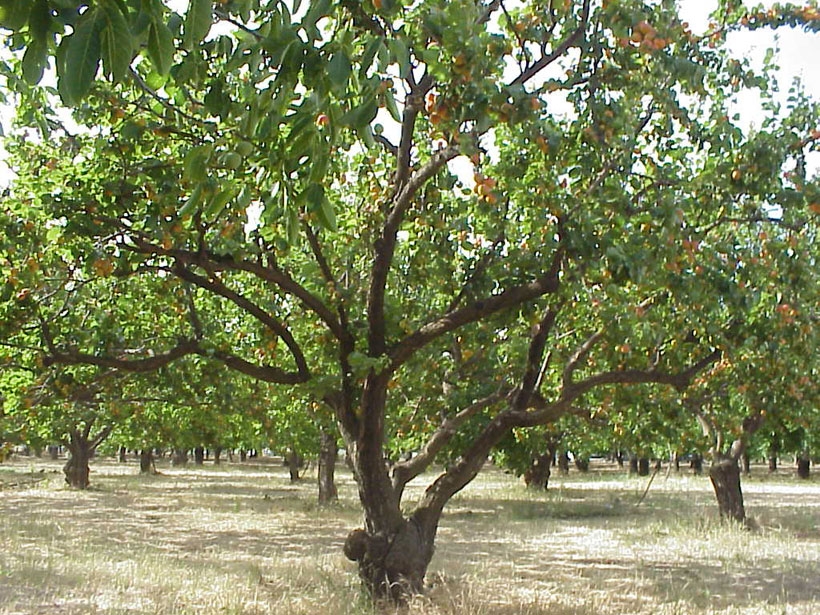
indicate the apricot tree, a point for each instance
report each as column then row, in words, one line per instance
column 297, row 163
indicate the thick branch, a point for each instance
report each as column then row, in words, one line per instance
column 405, row 471
column 385, row 246
column 571, row 40
column 216, row 287
column 454, row 319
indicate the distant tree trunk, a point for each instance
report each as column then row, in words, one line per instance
column 696, row 464
column 633, row 464
column 676, row 461
column 772, row 462
column 123, row 452
column 217, row 455
column 243, row 455
column 53, row 452
column 199, row 455
column 563, row 462
column 81, row 447
column 725, row 477
column 147, row 465
column 180, row 457
column 537, row 475
column 582, row 463
column 747, row 463
column 328, row 452
column 619, row 458
column 804, row 465
column 643, row 466
column 293, row 461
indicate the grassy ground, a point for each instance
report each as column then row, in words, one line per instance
column 240, row 539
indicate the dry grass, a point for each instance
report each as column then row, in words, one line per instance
column 239, row 539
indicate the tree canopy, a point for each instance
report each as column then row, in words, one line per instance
column 442, row 220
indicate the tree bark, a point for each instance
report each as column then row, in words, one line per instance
column 53, row 452
column 563, row 462
column 147, row 465
column 199, row 455
column 643, row 466
column 804, row 465
column 747, row 463
column 217, row 455
column 122, row 454
column 696, row 464
column 725, row 477
column 633, row 464
column 81, row 446
column 180, row 457
column 328, row 452
column 293, row 461
column 582, row 463
column 537, row 475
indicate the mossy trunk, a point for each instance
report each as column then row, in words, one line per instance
column 725, row 477
column 328, row 452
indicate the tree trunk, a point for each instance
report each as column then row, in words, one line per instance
column 76, row 469
column 804, row 465
column 123, row 452
column 537, row 475
column 633, row 464
column 582, row 464
column 328, row 451
column 293, row 461
column 747, row 463
column 199, row 455
column 180, row 457
column 725, row 477
column 563, row 462
column 53, row 452
column 243, row 455
column 81, row 448
column 696, row 464
column 772, row 462
column 217, row 455
column 147, row 465
column 643, row 466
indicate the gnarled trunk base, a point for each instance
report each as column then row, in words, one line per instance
column 392, row 567
column 76, row 468
column 725, row 477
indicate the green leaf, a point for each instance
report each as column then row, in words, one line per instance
column 218, row 203
column 82, row 57
column 390, row 103
column 160, row 47
column 361, row 116
column 192, row 203
column 317, row 201
column 39, row 20
column 117, row 42
column 195, row 164
column 338, row 71
column 401, row 55
column 34, row 62
column 198, row 22
column 14, row 14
